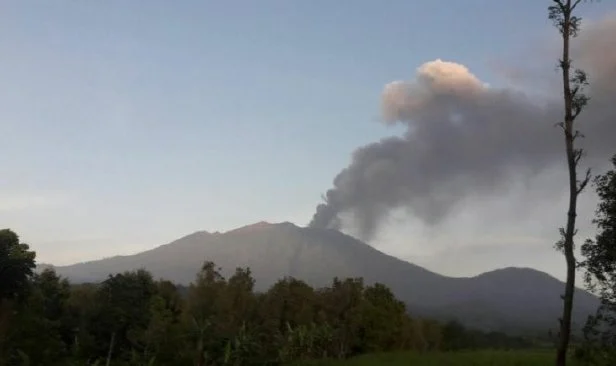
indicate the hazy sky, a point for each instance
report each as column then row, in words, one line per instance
column 127, row 124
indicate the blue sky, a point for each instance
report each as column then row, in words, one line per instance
column 127, row 124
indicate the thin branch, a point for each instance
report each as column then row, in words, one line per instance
column 560, row 4
column 584, row 182
column 576, row 3
column 577, row 155
column 576, row 112
column 577, row 134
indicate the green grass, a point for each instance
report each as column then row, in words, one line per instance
column 470, row 358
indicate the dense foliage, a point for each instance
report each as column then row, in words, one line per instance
column 133, row 319
column 461, row 358
column 600, row 267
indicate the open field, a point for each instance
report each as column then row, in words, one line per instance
column 469, row 358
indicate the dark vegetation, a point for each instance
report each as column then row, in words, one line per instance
column 460, row 358
column 132, row 319
column 600, row 271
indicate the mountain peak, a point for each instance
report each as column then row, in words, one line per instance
column 261, row 225
column 525, row 273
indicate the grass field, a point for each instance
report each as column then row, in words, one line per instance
column 470, row 358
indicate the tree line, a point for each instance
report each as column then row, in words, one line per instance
column 133, row 319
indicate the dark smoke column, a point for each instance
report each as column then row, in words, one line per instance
column 463, row 139
column 326, row 217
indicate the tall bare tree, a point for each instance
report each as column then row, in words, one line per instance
column 561, row 12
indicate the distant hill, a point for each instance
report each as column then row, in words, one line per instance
column 510, row 299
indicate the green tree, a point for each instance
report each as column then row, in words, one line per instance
column 288, row 301
column 17, row 263
column 561, row 12
column 600, row 265
column 282, row 310
column 163, row 335
column 239, row 300
column 382, row 320
column 238, row 323
column 455, row 336
column 203, row 314
column 80, row 309
column 342, row 303
column 121, row 316
column 600, row 253
column 40, row 332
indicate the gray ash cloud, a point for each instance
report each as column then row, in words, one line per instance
column 464, row 138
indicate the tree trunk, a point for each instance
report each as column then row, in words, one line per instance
column 200, row 350
column 568, row 243
column 110, row 353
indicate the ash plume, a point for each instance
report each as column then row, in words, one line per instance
column 466, row 139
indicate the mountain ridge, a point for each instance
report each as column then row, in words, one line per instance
column 515, row 296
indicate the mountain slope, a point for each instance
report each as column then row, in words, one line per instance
column 510, row 298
